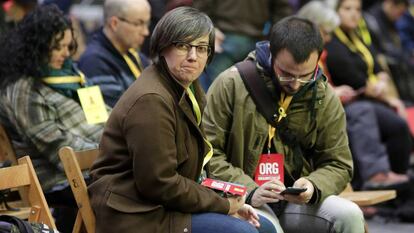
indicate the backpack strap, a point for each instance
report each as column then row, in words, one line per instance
column 258, row 91
column 23, row 226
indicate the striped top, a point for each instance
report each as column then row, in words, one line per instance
column 40, row 120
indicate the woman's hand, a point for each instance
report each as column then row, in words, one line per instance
column 378, row 89
column 236, row 203
column 398, row 105
column 345, row 93
column 246, row 212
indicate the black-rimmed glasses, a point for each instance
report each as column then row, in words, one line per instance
column 138, row 23
column 183, row 48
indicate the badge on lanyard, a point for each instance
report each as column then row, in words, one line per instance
column 269, row 166
column 93, row 104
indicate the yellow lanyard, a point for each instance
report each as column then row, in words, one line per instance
column 197, row 113
column 134, row 68
column 284, row 104
column 363, row 31
column 66, row 79
column 357, row 46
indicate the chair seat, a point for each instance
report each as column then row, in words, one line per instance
column 367, row 198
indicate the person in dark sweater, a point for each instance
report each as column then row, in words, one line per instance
column 351, row 62
column 382, row 33
column 111, row 59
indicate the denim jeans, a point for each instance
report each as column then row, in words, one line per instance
column 220, row 223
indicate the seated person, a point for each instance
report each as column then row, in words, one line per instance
column 308, row 131
column 405, row 27
column 39, row 106
column 366, row 145
column 153, row 149
column 382, row 150
column 381, row 31
column 111, row 59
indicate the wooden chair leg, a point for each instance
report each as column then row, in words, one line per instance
column 366, row 227
column 78, row 223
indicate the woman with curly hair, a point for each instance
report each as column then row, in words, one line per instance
column 39, row 105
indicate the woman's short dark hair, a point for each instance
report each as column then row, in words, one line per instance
column 298, row 36
column 27, row 48
column 181, row 24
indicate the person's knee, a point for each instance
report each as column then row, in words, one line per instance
column 349, row 214
column 266, row 226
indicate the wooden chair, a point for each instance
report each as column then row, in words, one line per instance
column 23, row 175
column 73, row 163
column 7, row 153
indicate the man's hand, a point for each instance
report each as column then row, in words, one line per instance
column 246, row 212
column 268, row 193
column 304, row 197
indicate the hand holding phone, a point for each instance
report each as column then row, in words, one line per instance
column 293, row 191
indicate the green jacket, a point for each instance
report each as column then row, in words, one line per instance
column 239, row 134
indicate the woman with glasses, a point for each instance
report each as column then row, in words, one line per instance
column 382, row 150
column 154, row 152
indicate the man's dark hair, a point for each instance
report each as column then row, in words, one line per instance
column 298, row 36
column 184, row 24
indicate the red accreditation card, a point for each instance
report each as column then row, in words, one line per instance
column 226, row 187
column 269, row 166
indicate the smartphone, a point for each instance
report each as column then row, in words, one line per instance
column 293, row 191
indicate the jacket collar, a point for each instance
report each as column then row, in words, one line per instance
column 179, row 92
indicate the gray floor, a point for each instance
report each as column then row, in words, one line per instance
column 378, row 225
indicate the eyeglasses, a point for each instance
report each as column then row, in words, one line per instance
column 302, row 79
column 138, row 23
column 183, row 48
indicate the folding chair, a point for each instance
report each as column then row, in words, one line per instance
column 23, row 176
column 73, row 163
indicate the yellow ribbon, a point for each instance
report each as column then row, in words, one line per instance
column 136, row 71
column 356, row 46
column 197, row 113
column 364, row 32
column 66, row 79
column 284, row 103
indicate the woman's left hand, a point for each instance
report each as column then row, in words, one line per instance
column 398, row 105
column 247, row 212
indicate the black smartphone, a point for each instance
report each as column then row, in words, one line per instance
column 293, row 191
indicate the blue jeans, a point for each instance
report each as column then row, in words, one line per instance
column 220, row 223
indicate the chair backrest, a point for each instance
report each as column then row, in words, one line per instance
column 73, row 163
column 6, row 148
column 23, row 176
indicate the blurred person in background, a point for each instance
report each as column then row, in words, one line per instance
column 39, row 104
column 405, row 26
column 239, row 25
column 13, row 11
column 350, row 62
column 112, row 59
column 378, row 28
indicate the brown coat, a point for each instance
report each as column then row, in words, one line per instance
column 151, row 156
